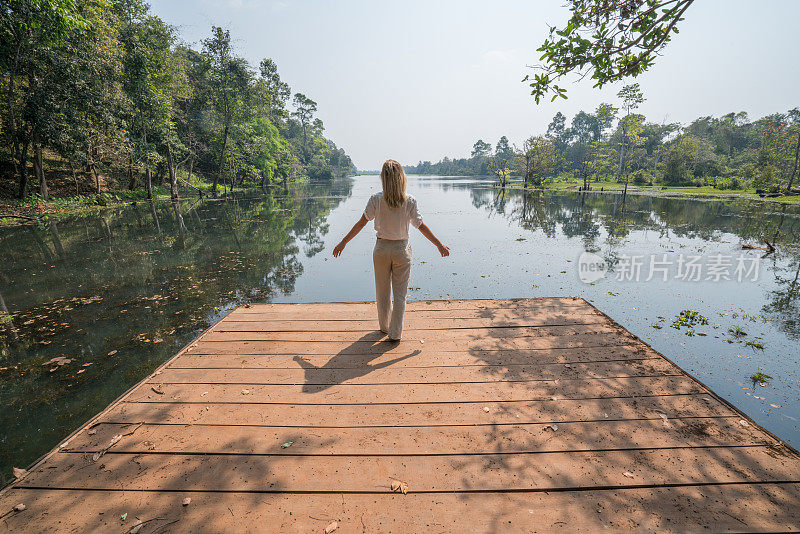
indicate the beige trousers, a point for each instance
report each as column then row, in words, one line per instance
column 392, row 261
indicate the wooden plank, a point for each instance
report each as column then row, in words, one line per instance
column 487, row 305
column 348, row 393
column 421, row 319
column 421, row 358
column 426, row 325
column 306, row 373
column 454, row 336
column 717, row 508
column 486, row 472
column 453, row 413
column 435, row 343
column 468, row 439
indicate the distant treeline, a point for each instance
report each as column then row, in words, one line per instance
column 729, row 152
column 102, row 95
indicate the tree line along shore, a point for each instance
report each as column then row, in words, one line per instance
column 614, row 146
column 103, row 99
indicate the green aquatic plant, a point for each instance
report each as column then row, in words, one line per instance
column 760, row 378
column 755, row 344
column 689, row 319
column 736, row 331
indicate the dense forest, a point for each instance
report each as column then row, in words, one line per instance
column 102, row 96
column 617, row 144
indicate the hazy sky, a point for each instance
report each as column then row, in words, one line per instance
column 422, row 79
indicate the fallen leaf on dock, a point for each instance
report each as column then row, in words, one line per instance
column 397, row 485
column 287, row 444
column 19, row 473
column 186, row 501
column 92, row 431
column 486, row 409
column 136, row 527
column 245, row 392
column 552, row 427
column 743, row 422
column 20, row 507
column 330, row 528
column 628, row 474
column 157, row 390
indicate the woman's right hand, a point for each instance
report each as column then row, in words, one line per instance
column 337, row 250
column 444, row 250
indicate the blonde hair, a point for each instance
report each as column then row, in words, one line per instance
column 393, row 178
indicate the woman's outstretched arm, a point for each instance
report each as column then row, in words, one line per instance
column 443, row 250
column 361, row 223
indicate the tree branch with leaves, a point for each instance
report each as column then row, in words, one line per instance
column 608, row 40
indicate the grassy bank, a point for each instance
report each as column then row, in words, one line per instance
column 662, row 190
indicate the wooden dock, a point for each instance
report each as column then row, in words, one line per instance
column 528, row 415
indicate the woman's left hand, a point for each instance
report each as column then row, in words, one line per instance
column 337, row 250
column 444, row 250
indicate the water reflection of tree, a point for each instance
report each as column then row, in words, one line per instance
column 783, row 301
column 86, row 287
column 604, row 224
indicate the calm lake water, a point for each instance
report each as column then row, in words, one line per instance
column 116, row 296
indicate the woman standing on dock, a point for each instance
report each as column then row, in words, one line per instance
column 393, row 210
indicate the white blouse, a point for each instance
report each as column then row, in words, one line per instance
column 392, row 223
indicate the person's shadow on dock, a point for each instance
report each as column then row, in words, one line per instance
column 350, row 362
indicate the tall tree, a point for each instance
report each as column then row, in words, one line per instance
column 536, row 160
column 229, row 83
column 304, row 109
column 28, row 29
column 481, row 149
column 632, row 97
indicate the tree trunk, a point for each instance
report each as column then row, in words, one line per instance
column 23, row 171
column 38, row 168
column 9, row 322
column 75, row 178
column 148, row 176
column 176, row 205
column 622, row 149
column 796, row 161
column 96, row 174
column 131, row 177
column 155, row 216
column 173, row 177
column 57, row 240
column 221, row 159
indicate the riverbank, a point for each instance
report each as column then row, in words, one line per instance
column 14, row 211
column 664, row 191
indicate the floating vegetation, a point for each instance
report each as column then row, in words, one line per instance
column 736, row 331
column 760, row 378
column 689, row 319
column 755, row 345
